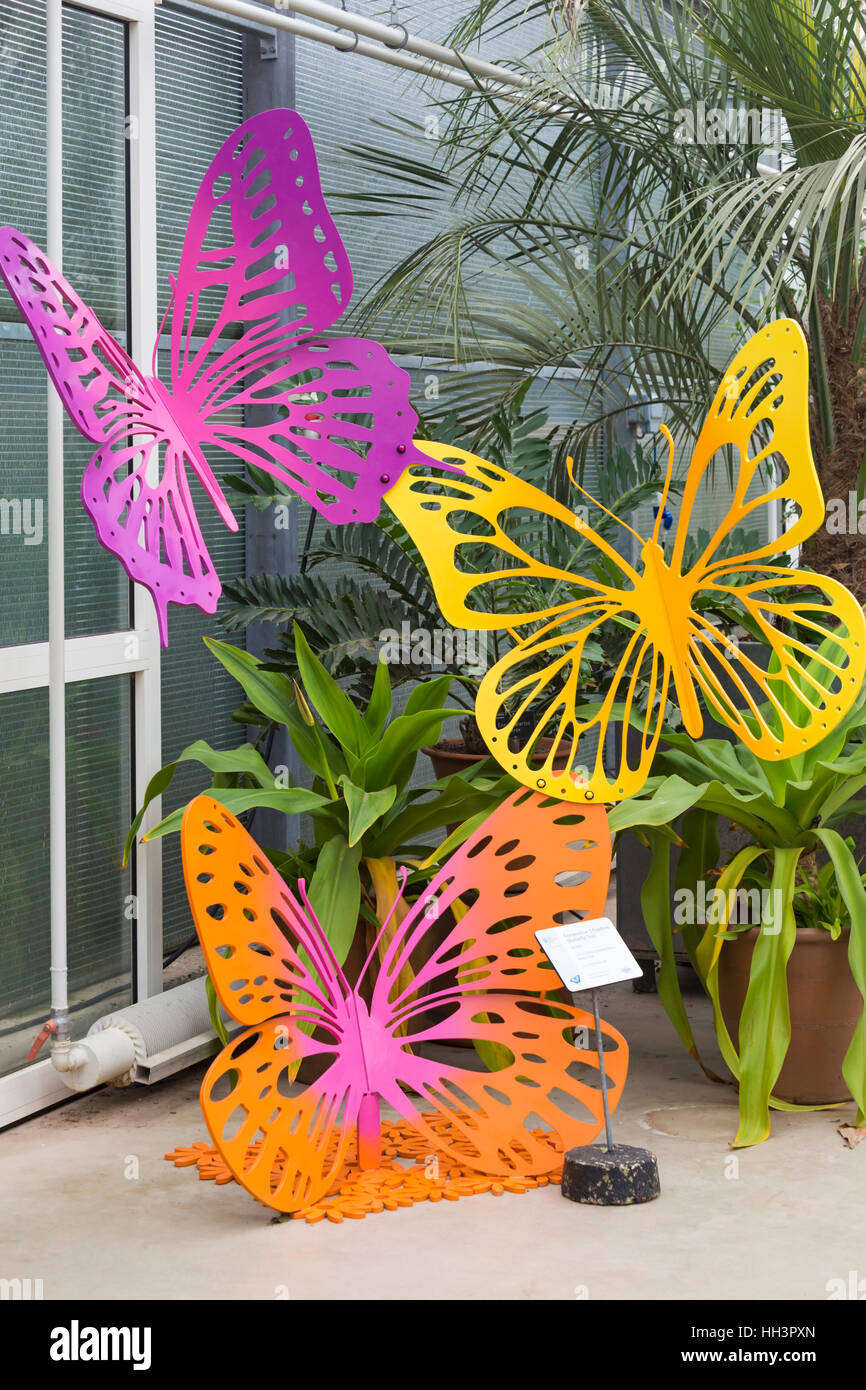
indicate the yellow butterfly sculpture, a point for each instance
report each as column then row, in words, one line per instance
column 532, row 705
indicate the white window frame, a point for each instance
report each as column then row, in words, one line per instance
column 134, row 651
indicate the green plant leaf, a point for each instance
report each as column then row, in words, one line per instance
column 269, row 691
column 245, row 760
column 365, row 808
column 315, row 749
column 699, row 855
column 655, row 899
column 458, row 799
column 333, row 706
column 429, row 695
column 710, row 948
column 293, row 801
column 376, row 714
column 854, row 896
column 392, row 760
column 335, row 893
column 213, row 1008
column 765, row 1021
column 664, row 805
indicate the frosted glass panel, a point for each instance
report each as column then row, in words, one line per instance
column 99, row 903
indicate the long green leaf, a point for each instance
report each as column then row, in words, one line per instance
column 854, row 895
column 244, row 760
column 376, row 714
column 655, row 900
column 765, row 1021
column 269, row 691
column 333, row 706
column 392, row 760
column 335, row 893
column 292, row 801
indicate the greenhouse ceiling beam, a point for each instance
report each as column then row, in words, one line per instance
column 396, row 47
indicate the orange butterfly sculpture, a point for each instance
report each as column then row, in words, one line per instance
column 531, row 705
column 480, row 977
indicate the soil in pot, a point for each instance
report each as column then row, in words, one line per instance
column 825, row 1006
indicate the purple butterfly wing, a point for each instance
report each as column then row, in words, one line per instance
column 150, row 524
column 344, row 429
column 147, row 522
column 97, row 382
column 263, row 253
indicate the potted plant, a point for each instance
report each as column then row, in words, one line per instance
column 824, row 1000
column 365, row 818
column 800, row 876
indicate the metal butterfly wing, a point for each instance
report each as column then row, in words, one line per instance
column 263, row 257
column 135, row 487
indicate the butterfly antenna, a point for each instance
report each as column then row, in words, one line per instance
column 570, row 465
column 663, row 429
column 173, row 282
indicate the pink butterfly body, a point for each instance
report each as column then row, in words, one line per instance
column 263, row 275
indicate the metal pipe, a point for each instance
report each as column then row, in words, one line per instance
column 56, row 603
column 396, row 37
column 337, row 38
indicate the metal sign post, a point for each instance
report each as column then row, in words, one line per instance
column 587, row 955
column 599, row 1042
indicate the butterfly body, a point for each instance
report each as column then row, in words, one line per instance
column 664, row 596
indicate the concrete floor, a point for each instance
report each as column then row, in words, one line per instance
column 775, row 1222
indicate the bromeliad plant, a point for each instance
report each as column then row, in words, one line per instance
column 790, row 810
column 365, row 817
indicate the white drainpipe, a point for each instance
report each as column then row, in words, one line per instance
column 143, row 1042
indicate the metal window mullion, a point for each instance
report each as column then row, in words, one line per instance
column 147, row 694
column 56, row 571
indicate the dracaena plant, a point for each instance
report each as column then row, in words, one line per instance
column 791, row 811
column 365, row 817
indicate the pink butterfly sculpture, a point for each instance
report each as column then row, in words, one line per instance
column 263, row 274
column 482, row 979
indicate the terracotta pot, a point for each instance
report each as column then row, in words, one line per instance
column 450, row 755
column 825, row 1006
